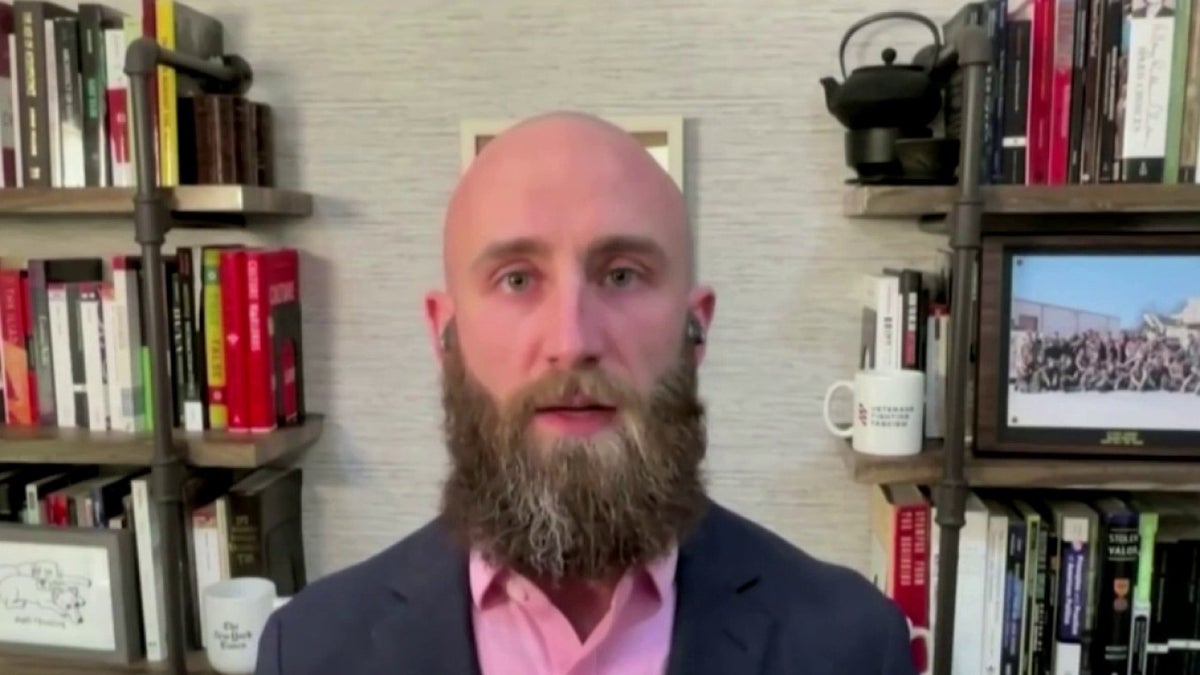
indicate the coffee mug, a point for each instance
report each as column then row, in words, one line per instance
column 236, row 610
column 889, row 411
column 924, row 662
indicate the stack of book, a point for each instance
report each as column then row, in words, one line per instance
column 68, row 121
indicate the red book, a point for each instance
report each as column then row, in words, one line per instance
column 20, row 394
column 234, row 323
column 1062, row 69
column 1041, row 72
column 273, row 383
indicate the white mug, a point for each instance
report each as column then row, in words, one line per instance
column 889, row 411
column 236, row 610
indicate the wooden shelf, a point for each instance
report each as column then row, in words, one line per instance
column 204, row 449
column 195, row 200
column 197, row 664
column 1025, row 472
column 898, row 201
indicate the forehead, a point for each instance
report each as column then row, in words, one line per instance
column 567, row 197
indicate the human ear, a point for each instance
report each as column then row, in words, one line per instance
column 702, row 302
column 439, row 311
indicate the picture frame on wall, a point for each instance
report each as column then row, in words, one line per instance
column 661, row 135
column 69, row 592
column 1089, row 345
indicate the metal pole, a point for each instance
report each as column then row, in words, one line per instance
column 974, row 53
column 152, row 220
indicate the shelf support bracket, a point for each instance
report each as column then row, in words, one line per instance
column 972, row 50
column 153, row 218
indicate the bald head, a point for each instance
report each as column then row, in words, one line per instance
column 561, row 170
column 566, row 245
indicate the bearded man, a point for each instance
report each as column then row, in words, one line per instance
column 575, row 536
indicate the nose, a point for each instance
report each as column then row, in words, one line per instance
column 574, row 335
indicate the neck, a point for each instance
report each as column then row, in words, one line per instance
column 583, row 603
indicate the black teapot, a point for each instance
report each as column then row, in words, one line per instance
column 891, row 95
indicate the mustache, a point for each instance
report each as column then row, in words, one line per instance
column 578, row 386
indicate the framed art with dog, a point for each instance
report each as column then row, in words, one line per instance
column 1089, row 345
column 69, row 592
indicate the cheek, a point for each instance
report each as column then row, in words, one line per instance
column 495, row 352
column 648, row 337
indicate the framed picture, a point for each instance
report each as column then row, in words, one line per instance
column 1090, row 345
column 69, row 592
column 661, row 135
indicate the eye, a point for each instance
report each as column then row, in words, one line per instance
column 622, row 276
column 516, row 280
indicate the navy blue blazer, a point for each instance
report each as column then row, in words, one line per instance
column 748, row 602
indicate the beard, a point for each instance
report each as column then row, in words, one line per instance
column 578, row 509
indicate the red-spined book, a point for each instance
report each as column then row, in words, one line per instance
column 900, row 522
column 273, row 382
column 1062, row 70
column 20, row 384
column 235, row 324
column 1041, row 78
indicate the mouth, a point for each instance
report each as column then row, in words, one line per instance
column 576, row 417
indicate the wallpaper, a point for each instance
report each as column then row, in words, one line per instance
column 368, row 97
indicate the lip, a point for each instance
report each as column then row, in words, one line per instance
column 575, row 420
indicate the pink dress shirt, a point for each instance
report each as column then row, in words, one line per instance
column 518, row 631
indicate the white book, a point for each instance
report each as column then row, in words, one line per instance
column 91, row 330
column 60, row 353
column 114, row 342
column 149, row 551
column 995, row 576
column 969, row 593
column 54, row 125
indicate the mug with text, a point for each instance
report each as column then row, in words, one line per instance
column 236, row 610
column 889, row 411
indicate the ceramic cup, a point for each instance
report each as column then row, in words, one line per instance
column 236, row 610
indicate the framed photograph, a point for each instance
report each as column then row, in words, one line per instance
column 661, row 135
column 1090, row 345
column 69, row 592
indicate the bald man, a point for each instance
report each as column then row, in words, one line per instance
column 575, row 536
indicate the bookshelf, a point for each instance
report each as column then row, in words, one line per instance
column 965, row 213
column 1025, row 472
column 169, row 452
column 221, row 449
column 896, row 201
column 196, row 662
column 200, row 202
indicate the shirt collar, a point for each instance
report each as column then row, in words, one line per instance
column 485, row 577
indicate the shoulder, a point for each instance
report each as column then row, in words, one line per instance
column 353, row 598
column 806, row 594
column 797, row 576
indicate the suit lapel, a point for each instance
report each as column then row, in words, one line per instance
column 425, row 624
column 719, row 628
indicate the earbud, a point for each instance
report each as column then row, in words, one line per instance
column 695, row 333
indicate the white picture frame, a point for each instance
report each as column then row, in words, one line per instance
column 661, row 135
column 69, row 592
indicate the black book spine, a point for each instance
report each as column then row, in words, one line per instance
column 92, row 73
column 1112, row 81
column 1016, row 93
column 1078, row 90
column 78, row 373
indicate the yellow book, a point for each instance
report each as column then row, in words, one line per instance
column 168, row 124
column 214, row 339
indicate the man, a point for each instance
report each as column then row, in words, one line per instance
column 575, row 536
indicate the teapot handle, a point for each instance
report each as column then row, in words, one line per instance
column 883, row 16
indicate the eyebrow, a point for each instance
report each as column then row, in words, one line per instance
column 604, row 247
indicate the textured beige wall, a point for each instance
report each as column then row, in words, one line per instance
column 369, row 95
